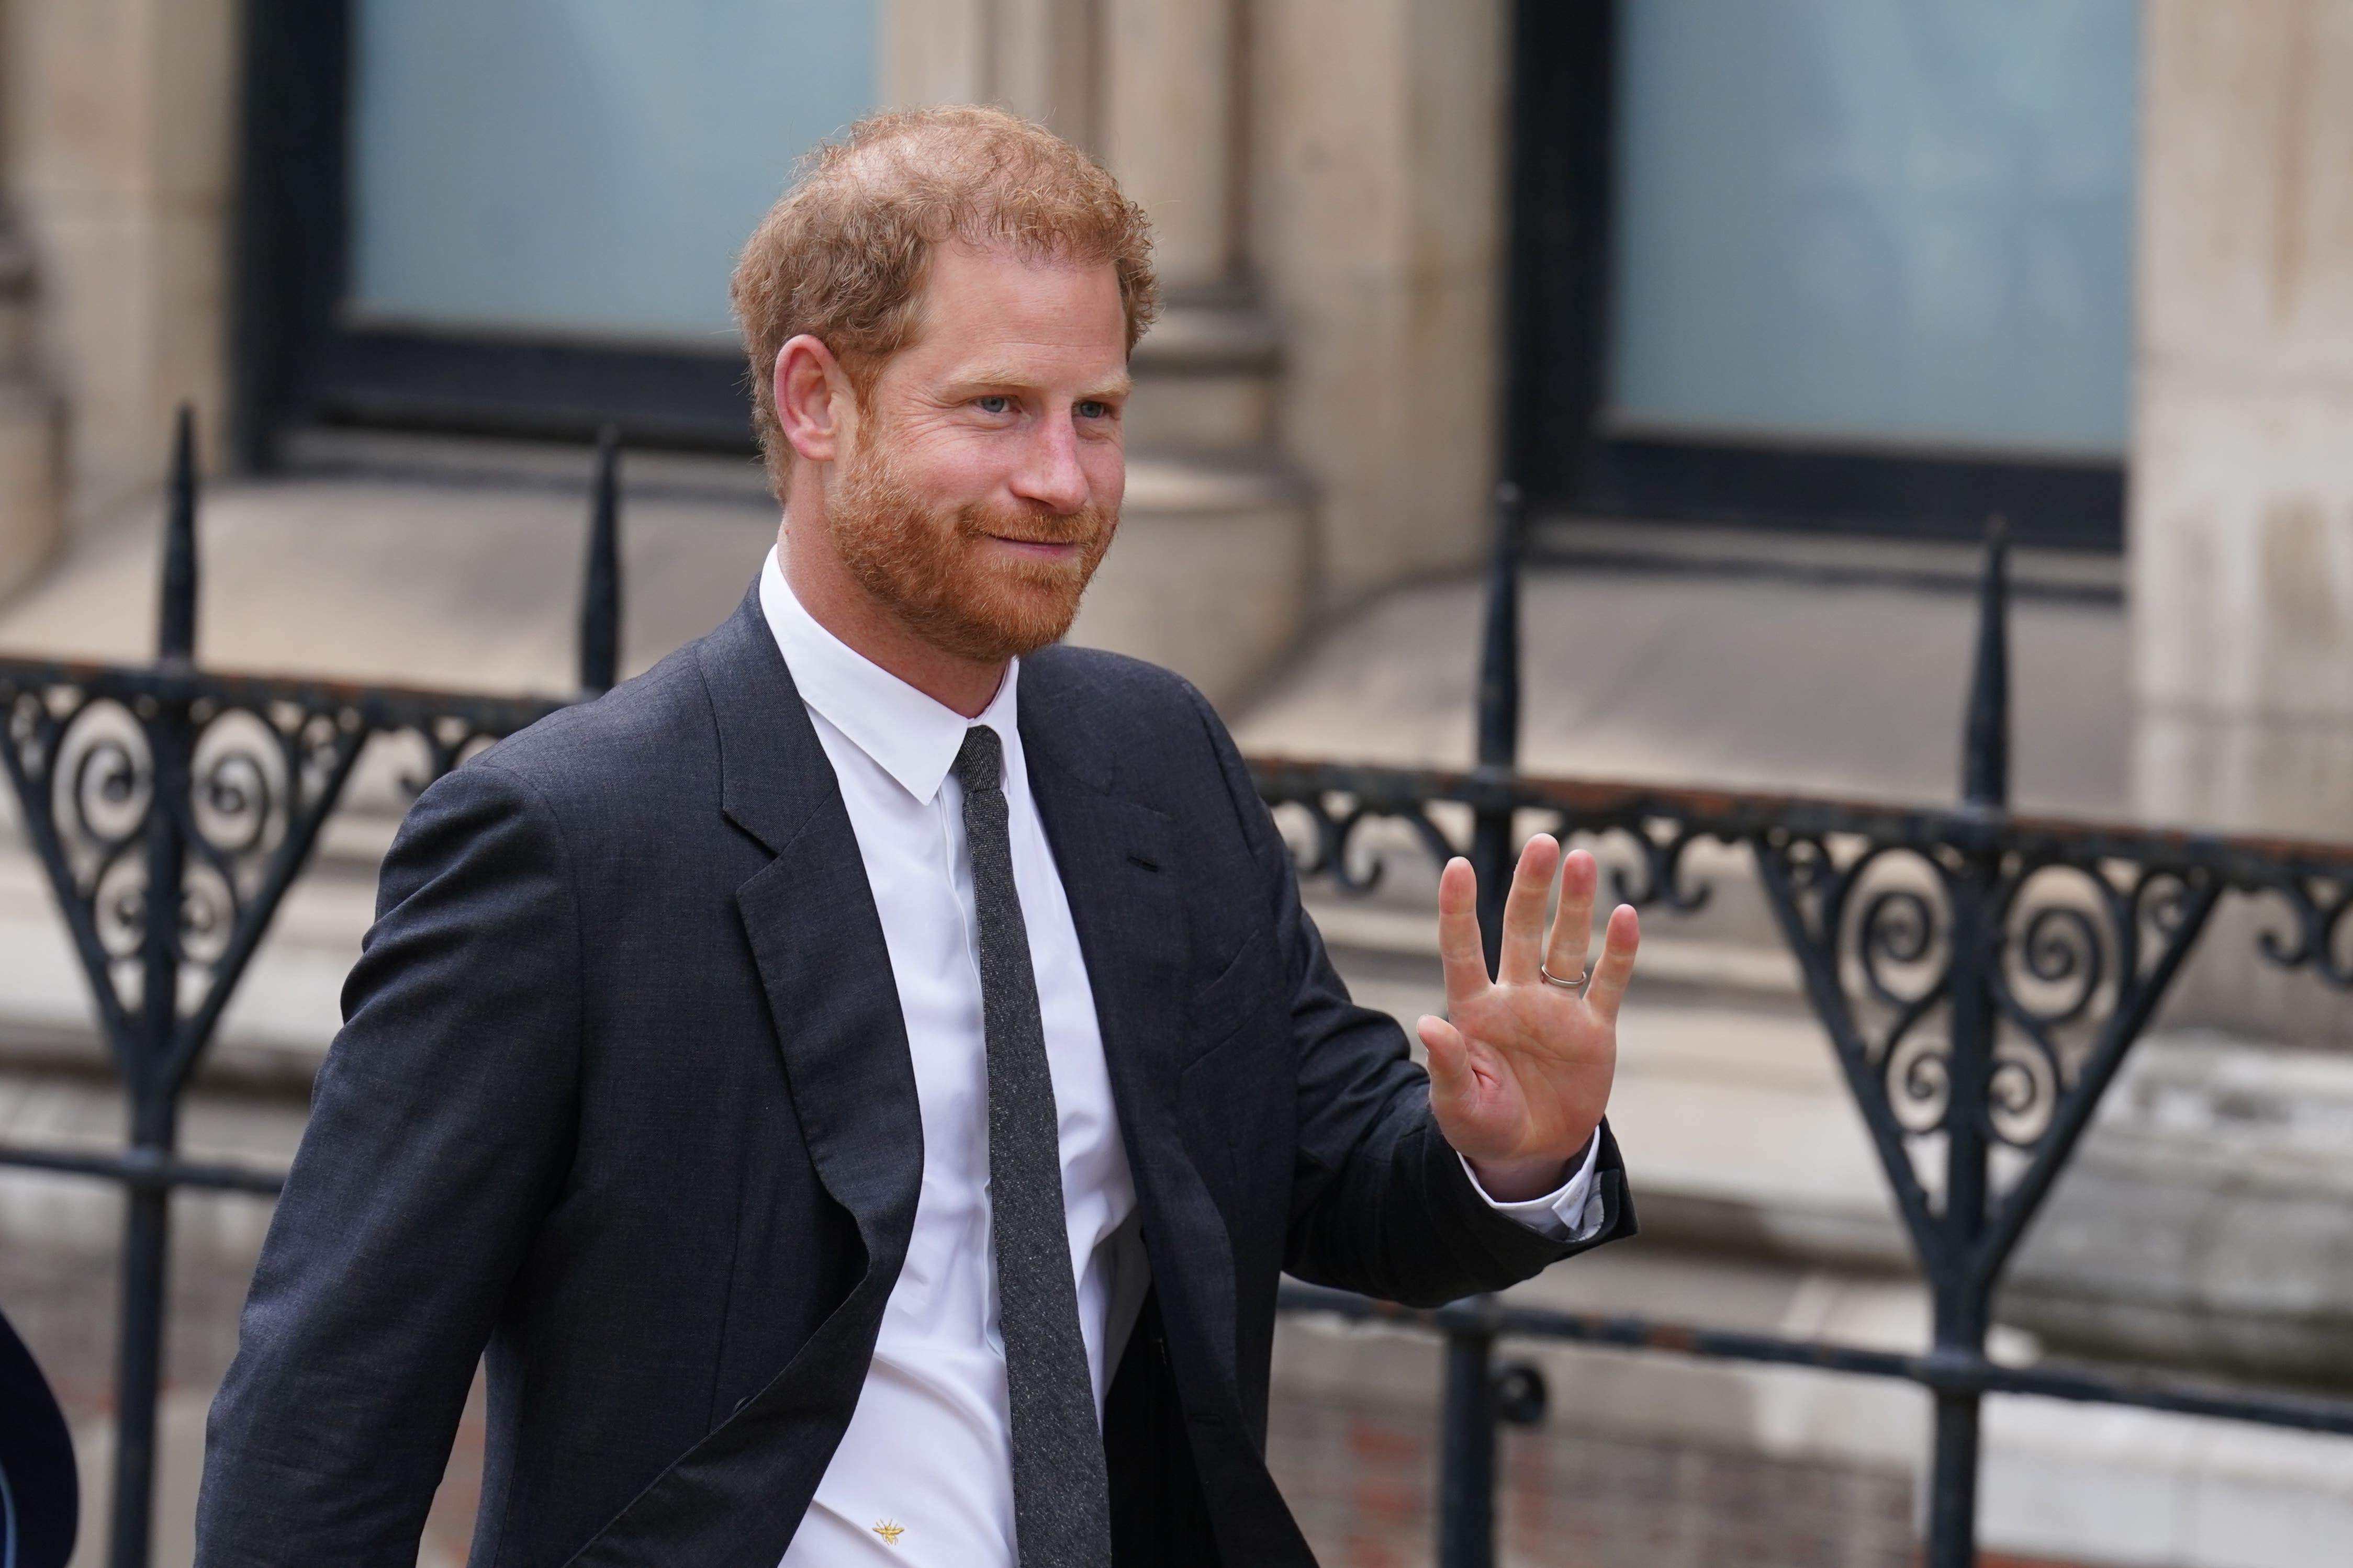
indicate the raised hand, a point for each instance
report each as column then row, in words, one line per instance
column 1519, row 1075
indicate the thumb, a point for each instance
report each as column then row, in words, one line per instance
column 1450, row 1060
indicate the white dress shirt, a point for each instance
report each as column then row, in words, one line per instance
column 924, row 1474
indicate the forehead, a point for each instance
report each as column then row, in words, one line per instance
column 995, row 304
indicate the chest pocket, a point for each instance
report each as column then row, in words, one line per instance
column 1239, row 994
column 1235, row 1099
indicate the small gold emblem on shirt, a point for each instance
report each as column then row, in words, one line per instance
column 890, row 1532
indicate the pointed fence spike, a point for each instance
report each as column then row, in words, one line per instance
column 1985, row 743
column 1491, row 849
column 176, row 632
column 1499, row 661
column 600, row 593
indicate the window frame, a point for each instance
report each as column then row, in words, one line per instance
column 1557, row 437
column 295, row 363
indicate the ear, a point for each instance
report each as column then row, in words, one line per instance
column 814, row 406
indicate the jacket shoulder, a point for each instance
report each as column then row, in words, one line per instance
column 1149, row 729
column 639, row 722
column 1096, row 686
column 598, row 756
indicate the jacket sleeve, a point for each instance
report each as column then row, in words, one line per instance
column 440, row 1133
column 1381, row 1203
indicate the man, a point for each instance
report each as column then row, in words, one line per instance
column 861, row 1081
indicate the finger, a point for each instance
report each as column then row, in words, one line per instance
column 1572, row 928
column 1450, row 1053
column 1617, row 966
column 1460, row 952
column 1452, row 1083
column 1523, row 910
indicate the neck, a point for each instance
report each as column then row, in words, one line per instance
column 841, row 604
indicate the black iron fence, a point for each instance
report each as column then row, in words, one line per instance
column 1982, row 974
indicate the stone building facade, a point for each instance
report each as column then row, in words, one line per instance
column 1322, row 412
column 1327, row 218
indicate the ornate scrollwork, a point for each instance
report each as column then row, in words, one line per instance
column 2041, row 947
column 230, row 779
column 2322, row 939
column 2060, row 947
column 1334, row 850
column 2062, row 931
column 1662, row 849
column 1883, row 915
column 2065, row 945
column 1653, row 871
column 445, row 741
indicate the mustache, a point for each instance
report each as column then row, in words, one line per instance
column 1035, row 526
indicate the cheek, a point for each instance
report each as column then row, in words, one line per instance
column 1105, row 464
column 947, row 467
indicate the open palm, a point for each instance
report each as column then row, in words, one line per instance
column 1520, row 1068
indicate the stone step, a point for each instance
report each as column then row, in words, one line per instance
column 1203, row 381
column 1209, row 574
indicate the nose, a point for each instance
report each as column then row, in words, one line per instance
column 1050, row 474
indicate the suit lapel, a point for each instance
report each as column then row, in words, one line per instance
column 735, row 1499
column 814, row 933
column 1119, row 865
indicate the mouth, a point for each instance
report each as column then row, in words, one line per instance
column 1037, row 549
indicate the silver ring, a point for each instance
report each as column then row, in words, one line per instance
column 1549, row 978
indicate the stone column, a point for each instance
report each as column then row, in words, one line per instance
column 1036, row 57
column 120, row 132
column 2241, row 526
column 1377, row 220
column 1043, row 65
column 936, row 51
column 1210, row 575
column 30, row 501
column 1169, row 129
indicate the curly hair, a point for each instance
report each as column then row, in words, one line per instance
column 844, row 256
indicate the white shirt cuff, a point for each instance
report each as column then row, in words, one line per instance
column 1572, row 1212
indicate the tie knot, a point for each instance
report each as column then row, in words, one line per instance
column 981, row 759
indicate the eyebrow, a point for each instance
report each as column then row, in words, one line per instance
column 997, row 375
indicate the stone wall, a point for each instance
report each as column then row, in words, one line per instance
column 2242, row 528
column 1325, row 177
column 2242, row 474
column 1376, row 200
column 118, row 125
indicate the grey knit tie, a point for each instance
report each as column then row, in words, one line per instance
column 1061, row 1498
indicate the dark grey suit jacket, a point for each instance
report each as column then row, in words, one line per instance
column 623, row 1097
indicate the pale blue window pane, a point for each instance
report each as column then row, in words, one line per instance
column 1897, row 222
column 584, row 167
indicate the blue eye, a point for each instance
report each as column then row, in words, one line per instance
column 997, row 403
column 1090, row 409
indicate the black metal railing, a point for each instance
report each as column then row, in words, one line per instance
column 172, row 807
column 1982, row 974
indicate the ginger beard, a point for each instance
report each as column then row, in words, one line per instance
column 934, row 566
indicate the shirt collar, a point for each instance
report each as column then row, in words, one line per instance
column 911, row 737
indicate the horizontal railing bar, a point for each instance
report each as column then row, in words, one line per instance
column 1959, row 1374
column 382, row 707
column 1733, row 815
column 145, row 1168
